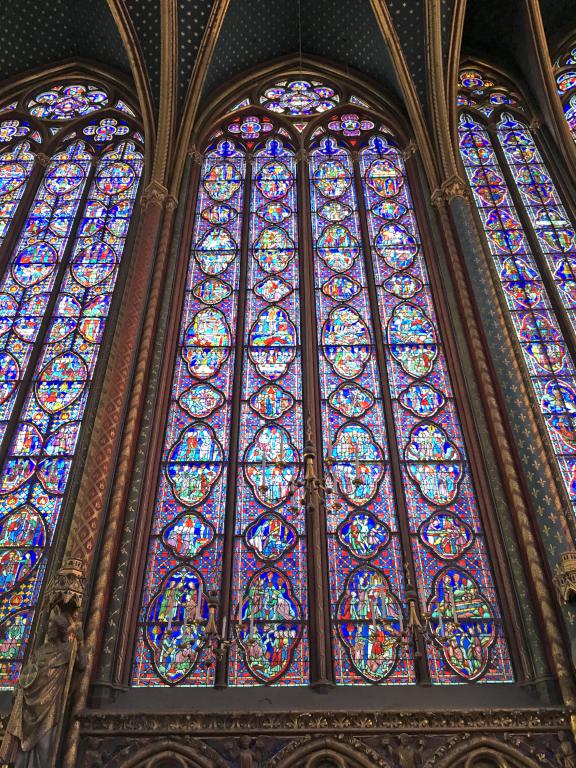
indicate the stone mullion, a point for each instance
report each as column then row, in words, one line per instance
column 112, row 451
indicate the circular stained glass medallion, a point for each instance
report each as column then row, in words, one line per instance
column 115, row 178
column 222, row 181
column 331, row 178
column 274, row 180
column 63, row 178
column 67, row 102
column 12, row 176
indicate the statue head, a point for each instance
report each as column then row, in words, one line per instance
column 57, row 628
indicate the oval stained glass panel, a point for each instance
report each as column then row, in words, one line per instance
column 433, row 463
column 274, row 212
column 270, row 465
column 33, row 264
column 270, row 536
column 412, row 339
column 62, row 178
column 446, row 535
column 341, row 288
column 93, row 265
column 61, row 382
column 269, row 629
column 403, row 286
column 222, row 181
column 115, row 178
column 337, row 247
column 384, row 178
column 194, row 464
column 346, row 342
column 200, row 400
column 188, row 535
column 206, row 343
column 216, row 251
column 175, row 624
column 271, row 401
column 12, row 176
column 396, row 246
column 219, row 214
column 273, row 289
column 369, row 623
column 334, row 211
column 351, row 400
column 273, row 250
column 358, row 465
column 211, row 291
column 332, row 179
column 272, row 342
column 274, row 180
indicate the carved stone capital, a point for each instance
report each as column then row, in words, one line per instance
column 409, row 150
column 67, row 588
column 42, row 159
column 565, row 579
column 535, row 124
column 154, row 194
column 171, row 203
column 449, row 189
column 197, row 157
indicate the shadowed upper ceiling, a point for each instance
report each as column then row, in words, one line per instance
column 347, row 34
column 35, row 33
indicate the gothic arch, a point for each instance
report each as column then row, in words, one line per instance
column 168, row 754
column 339, row 753
column 483, row 752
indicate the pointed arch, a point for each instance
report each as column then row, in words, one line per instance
column 308, row 318
column 348, row 753
column 531, row 237
column 60, row 265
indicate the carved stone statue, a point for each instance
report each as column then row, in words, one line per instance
column 41, row 694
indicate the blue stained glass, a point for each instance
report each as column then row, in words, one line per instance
column 34, row 265
column 549, row 363
column 566, row 84
column 184, row 559
column 361, row 516
column 15, row 168
column 35, row 475
column 269, row 577
column 442, row 509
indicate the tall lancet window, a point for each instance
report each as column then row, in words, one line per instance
column 565, row 73
column 70, row 164
column 313, row 461
column 531, row 239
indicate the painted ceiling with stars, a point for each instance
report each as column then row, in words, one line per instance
column 34, row 33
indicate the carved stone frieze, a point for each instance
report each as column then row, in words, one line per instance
column 453, row 187
column 547, row 747
column 154, row 194
column 96, row 722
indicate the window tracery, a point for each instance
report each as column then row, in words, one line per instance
column 307, row 289
column 531, row 239
column 565, row 73
column 64, row 219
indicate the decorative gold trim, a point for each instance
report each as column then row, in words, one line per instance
column 154, row 194
column 168, row 89
column 552, row 105
column 453, row 187
column 129, row 38
column 289, row 723
column 411, row 99
column 565, row 578
column 203, row 59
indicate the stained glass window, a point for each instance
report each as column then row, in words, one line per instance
column 55, row 297
column 531, row 239
column 565, row 72
column 307, row 292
